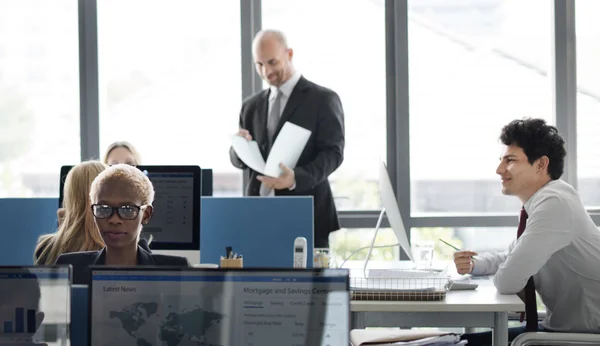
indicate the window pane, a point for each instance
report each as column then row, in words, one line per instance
column 474, row 67
column 588, row 101
column 353, row 245
column 39, row 95
column 478, row 239
column 170, row 82
column 349, row 59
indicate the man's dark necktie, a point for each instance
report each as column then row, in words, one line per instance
column 531, row 315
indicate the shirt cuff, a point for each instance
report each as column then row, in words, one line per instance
column 293, row 187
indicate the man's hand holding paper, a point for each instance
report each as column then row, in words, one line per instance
column 286, row 180
column 284, row 154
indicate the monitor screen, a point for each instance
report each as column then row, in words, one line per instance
column 158, row 306
column 388, row 199
column 175, row 224
column 35, row 305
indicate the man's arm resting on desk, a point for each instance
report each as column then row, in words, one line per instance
column 488, row 263
column 546, row 233
column 329, row 144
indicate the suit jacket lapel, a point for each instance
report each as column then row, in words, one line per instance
column 100, row 258
column 144, row 258
column 295, row 99
column 262, row 110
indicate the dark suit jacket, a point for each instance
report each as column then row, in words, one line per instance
column 82, row 260
column 319, row 110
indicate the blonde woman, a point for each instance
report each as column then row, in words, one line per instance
column 121, row 198
column 77, row 230
column 122, row 152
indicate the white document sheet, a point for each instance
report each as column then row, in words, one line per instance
column 389, row 336
column 287, row 149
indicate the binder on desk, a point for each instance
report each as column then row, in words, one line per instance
column 261, row 229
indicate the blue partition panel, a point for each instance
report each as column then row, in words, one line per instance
column 79, row 315
column 23, row 221
column 262, row 229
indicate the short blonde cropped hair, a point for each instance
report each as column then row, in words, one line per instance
column 129, row 175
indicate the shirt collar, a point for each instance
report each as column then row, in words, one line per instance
column 287, row 87
column 527, row 205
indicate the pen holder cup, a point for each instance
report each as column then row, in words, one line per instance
column 232, row 263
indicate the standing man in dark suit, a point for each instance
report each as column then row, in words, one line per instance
column 293, row 98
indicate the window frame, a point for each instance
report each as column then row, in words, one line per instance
column 564, row 92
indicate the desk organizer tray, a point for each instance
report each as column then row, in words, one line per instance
column 398, row 289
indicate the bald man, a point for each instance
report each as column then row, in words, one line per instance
column 293, row 98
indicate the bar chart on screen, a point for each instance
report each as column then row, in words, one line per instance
column 23, row 322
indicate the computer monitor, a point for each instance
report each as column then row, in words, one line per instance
column 205, row 190
column 184, row 306
column 390, row 205
column 35, row 305
column 175, row 224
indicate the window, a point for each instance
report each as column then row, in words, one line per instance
column 345, row 245
column 343, row 48
column 480, row 240
column 170, row 82
column 588, row 101
column 474, row 66
column 39, row 95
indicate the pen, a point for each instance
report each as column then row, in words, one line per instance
column 228, row 251
column 455, row 248
column 452, row 246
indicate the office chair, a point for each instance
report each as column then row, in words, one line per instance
column 540, row 338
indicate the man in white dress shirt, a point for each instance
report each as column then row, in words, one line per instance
column 557, row 250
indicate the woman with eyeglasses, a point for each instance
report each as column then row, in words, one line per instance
column 121, row 199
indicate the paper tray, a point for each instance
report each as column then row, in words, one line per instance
column 417, row 289
column 398, row 295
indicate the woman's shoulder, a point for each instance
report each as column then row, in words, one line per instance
column 76, row 257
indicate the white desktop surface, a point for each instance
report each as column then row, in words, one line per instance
column 482, row 307
column 482, row 299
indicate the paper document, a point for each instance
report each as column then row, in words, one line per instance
column 388, row 336
column 287, row 149
column 406, row 273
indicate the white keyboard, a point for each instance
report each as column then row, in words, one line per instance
column 462, row 284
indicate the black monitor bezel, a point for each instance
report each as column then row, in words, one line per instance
column 52, row 266
column 210, row 270
column 197, row 207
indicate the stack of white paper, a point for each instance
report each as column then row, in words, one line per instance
column 389, row 337
column 287, row 149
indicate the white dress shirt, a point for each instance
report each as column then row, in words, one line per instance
column 286, row 90
column 560, row 248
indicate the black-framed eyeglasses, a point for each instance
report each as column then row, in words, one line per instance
column 125, row 212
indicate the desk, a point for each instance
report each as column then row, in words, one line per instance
column 483, row 307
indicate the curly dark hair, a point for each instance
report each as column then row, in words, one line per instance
column 537, row 139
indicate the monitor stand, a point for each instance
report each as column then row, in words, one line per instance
column 399, row 265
